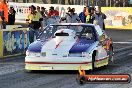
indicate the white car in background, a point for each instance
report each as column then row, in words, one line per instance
column 69, row 46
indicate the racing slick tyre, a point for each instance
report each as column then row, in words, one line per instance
column 93, row 60
column 110, row 53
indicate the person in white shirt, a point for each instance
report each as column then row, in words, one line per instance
column 71, row 17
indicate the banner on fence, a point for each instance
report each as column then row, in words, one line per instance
column 118, row 17
column 13, row 41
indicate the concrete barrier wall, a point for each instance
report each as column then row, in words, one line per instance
column 13, row 41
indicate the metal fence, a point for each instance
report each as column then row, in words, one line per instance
column 105, row 3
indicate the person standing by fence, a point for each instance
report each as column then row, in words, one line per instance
column 44, row 14
column 34, row 19
column 82, row 15
column 71, row 17
column 3, row 14
column 11, row 16
column 99, row 17
column 53, row 16
column 53, row 12
column 38, row 9
column 90, row 16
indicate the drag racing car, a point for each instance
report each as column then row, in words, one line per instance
column 69, row 46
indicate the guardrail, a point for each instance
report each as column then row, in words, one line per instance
column 14, row 40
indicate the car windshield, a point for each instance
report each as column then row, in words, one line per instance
column 81, row 31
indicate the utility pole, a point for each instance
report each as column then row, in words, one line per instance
column 88, row 2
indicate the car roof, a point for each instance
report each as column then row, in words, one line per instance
column 97, row 28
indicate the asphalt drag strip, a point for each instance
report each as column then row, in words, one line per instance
column 13, row 75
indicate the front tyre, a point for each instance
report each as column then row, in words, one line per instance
column 93, row 60
column 110, row 53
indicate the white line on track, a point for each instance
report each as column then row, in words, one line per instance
column 122, row 42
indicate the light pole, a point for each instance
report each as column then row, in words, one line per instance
column 107, row 2
column 110, row 3
column 88, row 2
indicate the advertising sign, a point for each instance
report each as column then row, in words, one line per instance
column 118, row 17
column 15, row 42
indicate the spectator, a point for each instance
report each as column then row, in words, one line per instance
column 99, row 18
column 71, row 17
column 73, row 10
column 87, row 12
column 68, row 9
column 34, row 19
column 53, row 12
column 82, row 15
column 89, row 17
column 38, row 9
column 3, row 14
column 11, row 16
column 44, row 13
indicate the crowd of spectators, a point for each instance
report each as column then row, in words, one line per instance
column 38, row 16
